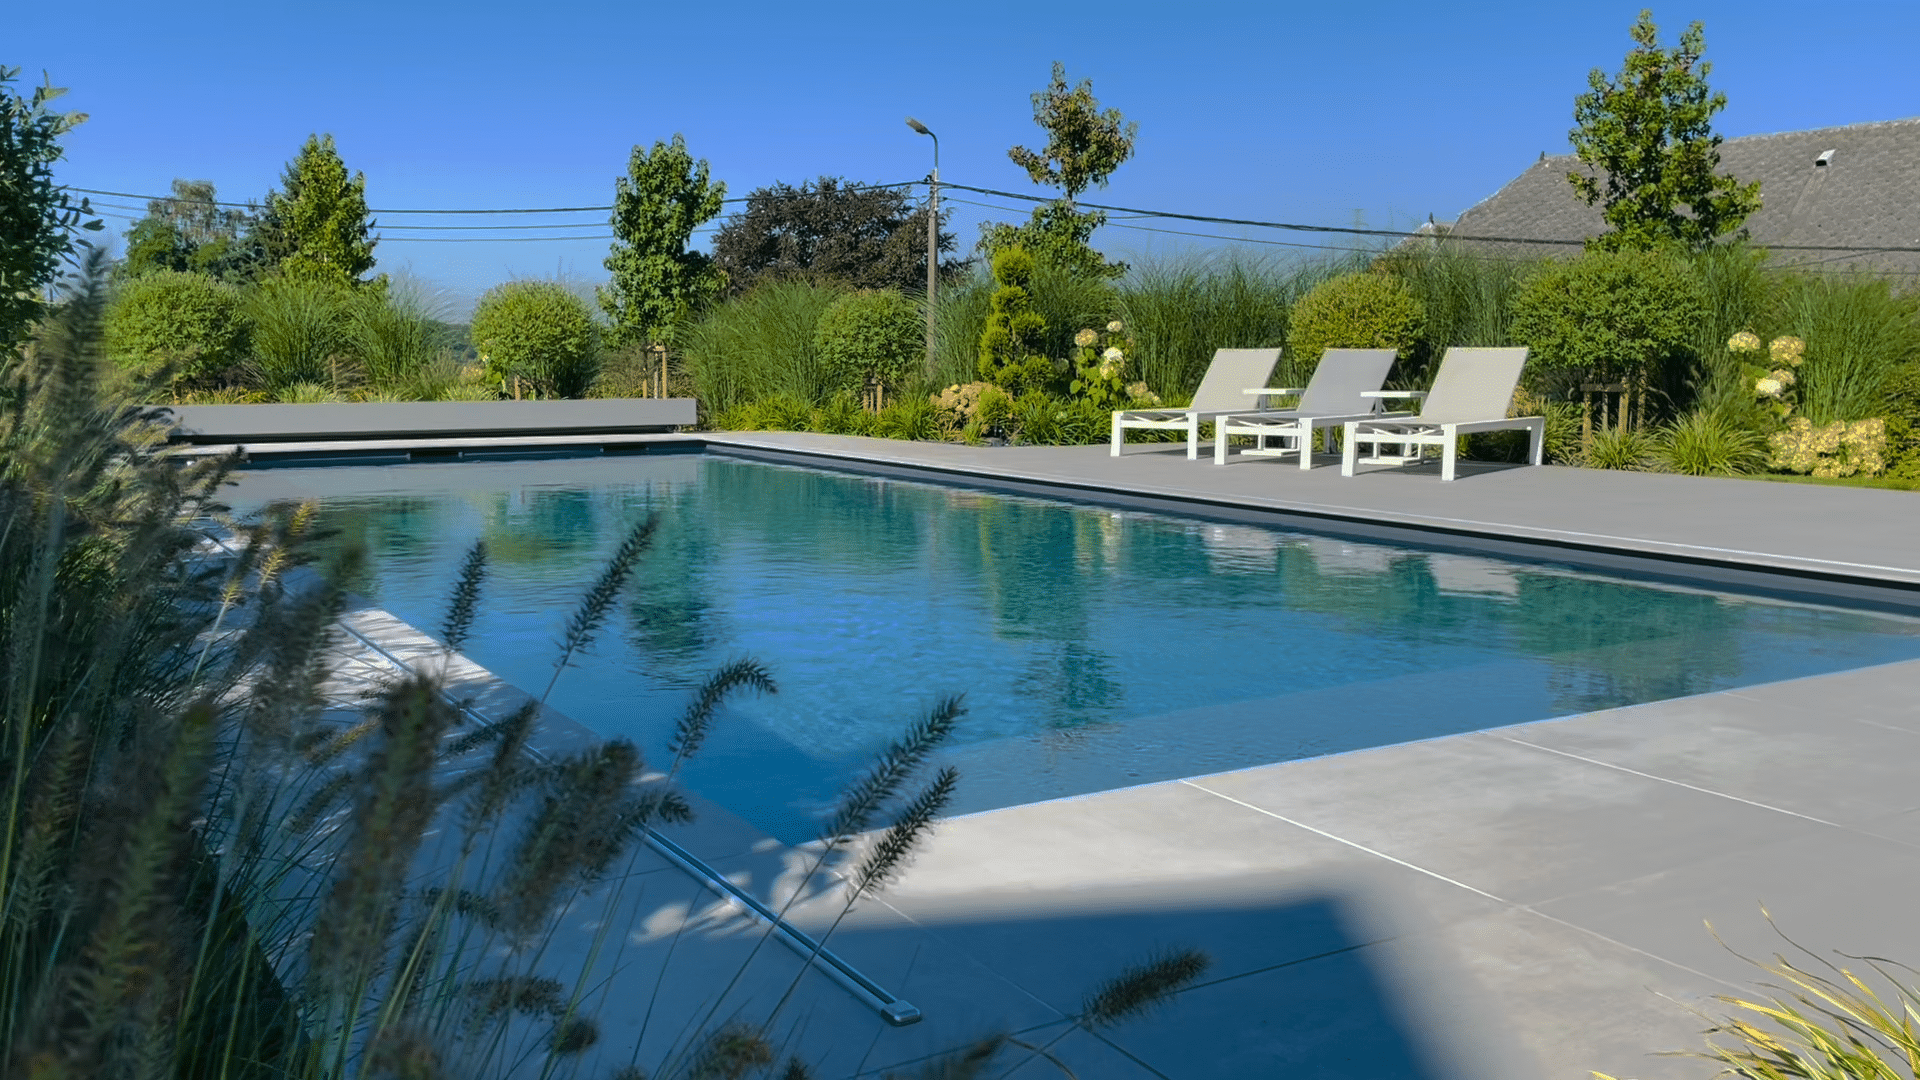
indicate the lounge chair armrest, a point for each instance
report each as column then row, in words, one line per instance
column 1277, row 390
column 1417, row 395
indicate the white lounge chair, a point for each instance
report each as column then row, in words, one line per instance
column 1334, row 395
column 1221, row 391
column 1471, row 392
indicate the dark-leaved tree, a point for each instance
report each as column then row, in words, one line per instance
column 829, row 230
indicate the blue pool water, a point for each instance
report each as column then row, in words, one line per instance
column 1097, row 648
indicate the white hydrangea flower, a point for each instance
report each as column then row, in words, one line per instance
column 1769, row 387
column 1116, row 326
column 1113, row 354
column 1085, row 338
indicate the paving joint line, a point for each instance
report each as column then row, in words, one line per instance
column 1675, row 783
column 1350, row 843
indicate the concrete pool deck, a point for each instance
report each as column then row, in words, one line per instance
column 1522, row 902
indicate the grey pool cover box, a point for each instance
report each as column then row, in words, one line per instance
column 441, row 419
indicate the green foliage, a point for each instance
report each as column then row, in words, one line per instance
column 1468, row 299
column 185, row 324
column 1633, row 449
column 1858, row 331
column 1179, row 312
column 829, row 230
column 318, row 228
column 1040, row 419
column 1084, row 146
column 870, row 336
column 775, row 412
column 300, row 330
column 190, row 231
column 1648, row 135
column 391, row 334
column 1832, row 450
column 1365, row 310
column 1101, row 372
column 1706, row 443
column 657, row 283
column 909, row 418
column 1015, row 332
column 1608, row 315
column 539, row 333
column 36, row 215
column 760, row 345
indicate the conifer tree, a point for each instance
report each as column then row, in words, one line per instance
column 318, row 228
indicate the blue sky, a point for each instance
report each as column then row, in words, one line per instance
column 1279, row 111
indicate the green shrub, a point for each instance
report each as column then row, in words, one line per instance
column 188, row 325
column 1364, row 310
column 300, row 331
column 841, row 415
column 309, row 394
column 760, row 345
column 779, row 412
column 1633, row 449
column 539, row 333
column 1040, row 419
column 870, row 336
column 1627, row 316
column 1704, row 443
column 1010, row 345
column 909, row 418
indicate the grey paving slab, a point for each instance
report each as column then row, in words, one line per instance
column 1517, row 822
column 1835, row 890
column 1821, row 762
column 1088, row 1055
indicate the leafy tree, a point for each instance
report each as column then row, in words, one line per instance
column 318, row 229
column 1084, row 147
column 872, row 335
column 190, row 231
column 174, row 320
column 657, row 283
column 36, row 215
column 538, row 332
column 1648, row 135
column 1608, row 315
column 829, row 230
column 1009, row 344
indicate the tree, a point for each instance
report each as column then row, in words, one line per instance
column 191, row 231
column 538, row 332
column 829, row 230
column 1608, row 316
column 871, row 336
column 657, row 283
column 37, row 216
column 1010, row 354
column 1084, row 147
column 318, row 229
column 1647, row 136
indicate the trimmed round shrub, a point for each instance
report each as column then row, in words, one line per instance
column 1353, row 311
column 540, row 333
column 1627, row 315
column 184, row 323
column 872, row 335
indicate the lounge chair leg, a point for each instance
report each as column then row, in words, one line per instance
column 1350, row 451
column 1219, row 443
column 1305, row 439
column 1119, row 435
column 1539, row 433
column 1449, row 453
column 1193, row 437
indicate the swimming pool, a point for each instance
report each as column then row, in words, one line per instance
column 1097, row 647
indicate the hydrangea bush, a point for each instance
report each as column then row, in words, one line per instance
column 1838, row 449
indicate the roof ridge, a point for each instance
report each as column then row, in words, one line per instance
column 1862, row 126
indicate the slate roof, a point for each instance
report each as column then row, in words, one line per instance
column 1867, row 196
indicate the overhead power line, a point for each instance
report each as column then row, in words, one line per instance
column 446, row 210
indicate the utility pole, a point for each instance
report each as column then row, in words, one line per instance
column 933, row 236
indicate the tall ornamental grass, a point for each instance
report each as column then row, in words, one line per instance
column 1178, row 312
column 761, row 344
column 300, row 330
column 1857, row 330
column 1468, row 298
column 393, row 335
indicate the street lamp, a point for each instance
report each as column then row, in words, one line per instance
column 933, row 233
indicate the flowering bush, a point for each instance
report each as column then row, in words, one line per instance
column 1773, row 384
column 1837, row 449
column 1100, row 372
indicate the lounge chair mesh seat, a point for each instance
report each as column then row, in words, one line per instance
column 1471, row 392
column 1335, row 394
column 1222, row 390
